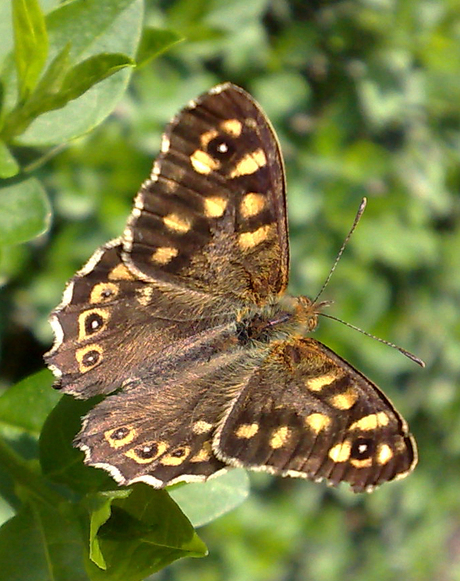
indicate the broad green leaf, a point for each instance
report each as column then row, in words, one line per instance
column 52, row 79
column 8, row 165
column 30, row 44
column 43, row 543
column 107, row 24
column 59, row 460
column 61, row 85
column 99, row 508
column 99, row 515
column 110, row 27
column 154, row 42
column 26, row 405
column 6, row 31
column 24, row 212
column 203, row 502
column 89, row 72
column 145, row 532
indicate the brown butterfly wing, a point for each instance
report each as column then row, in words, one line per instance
column 160, row 430
column 306, row 412
column 212, row 216
column 113, row 329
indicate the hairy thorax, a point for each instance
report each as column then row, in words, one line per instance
column 288, row 317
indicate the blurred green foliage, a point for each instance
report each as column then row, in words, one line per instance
column 365, row 97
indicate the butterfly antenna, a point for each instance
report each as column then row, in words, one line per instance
column 408, row 354
column 359, row 213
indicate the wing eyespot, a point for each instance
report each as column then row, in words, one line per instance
column 222, row 148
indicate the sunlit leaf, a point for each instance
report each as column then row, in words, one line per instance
column 24, row 211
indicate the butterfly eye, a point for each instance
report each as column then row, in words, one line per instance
column 221, row 148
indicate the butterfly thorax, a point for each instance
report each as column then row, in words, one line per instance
column 287, row 317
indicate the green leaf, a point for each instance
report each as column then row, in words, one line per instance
column 24, row 212
column 43, row 543
column 6, row 31
column 59, row 460
column 154, row 42
column 89, row 72
column 8, row 165
column 30, row 44
column 110, row 27
column 203, row 502
column 61, row 85
column 42, row 99
column 145, row 532
column 26, row 405
column 52, row 79
column 99, row 506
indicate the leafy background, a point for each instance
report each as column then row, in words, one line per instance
column 365, row 97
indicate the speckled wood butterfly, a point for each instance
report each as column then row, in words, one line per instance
column 185, row 321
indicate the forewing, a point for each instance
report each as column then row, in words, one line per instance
column 112, row 329
column 212, row 216
column 306, row 412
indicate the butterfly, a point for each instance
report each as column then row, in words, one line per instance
column 184, row 324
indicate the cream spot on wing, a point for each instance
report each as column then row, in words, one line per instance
column 165, row 143
column 248, row 240
column 164, row 255
column 103, row 292
column 384, row 454
column 340, row 452
column 202, row 427
column 88, row 357
column 204, row 454
column 119, row 437
column 399, row 445
column 177, row 223
column 280, row 437
column 249, row 164
column 364, row 463
column 144, row 295
column 177, row 457
column 156, row 170
column 232, row 126
column 319, row 383
column 91, row 322
column 252, row 204
column 345, row 400
column 58, row 333
column 203, row 163
column 207, row 137
column 120, row 272
column 318, row 422
column 371, row 422
column 68, row 293
column 135, row 455
column 246, row 431
column 214, row 207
